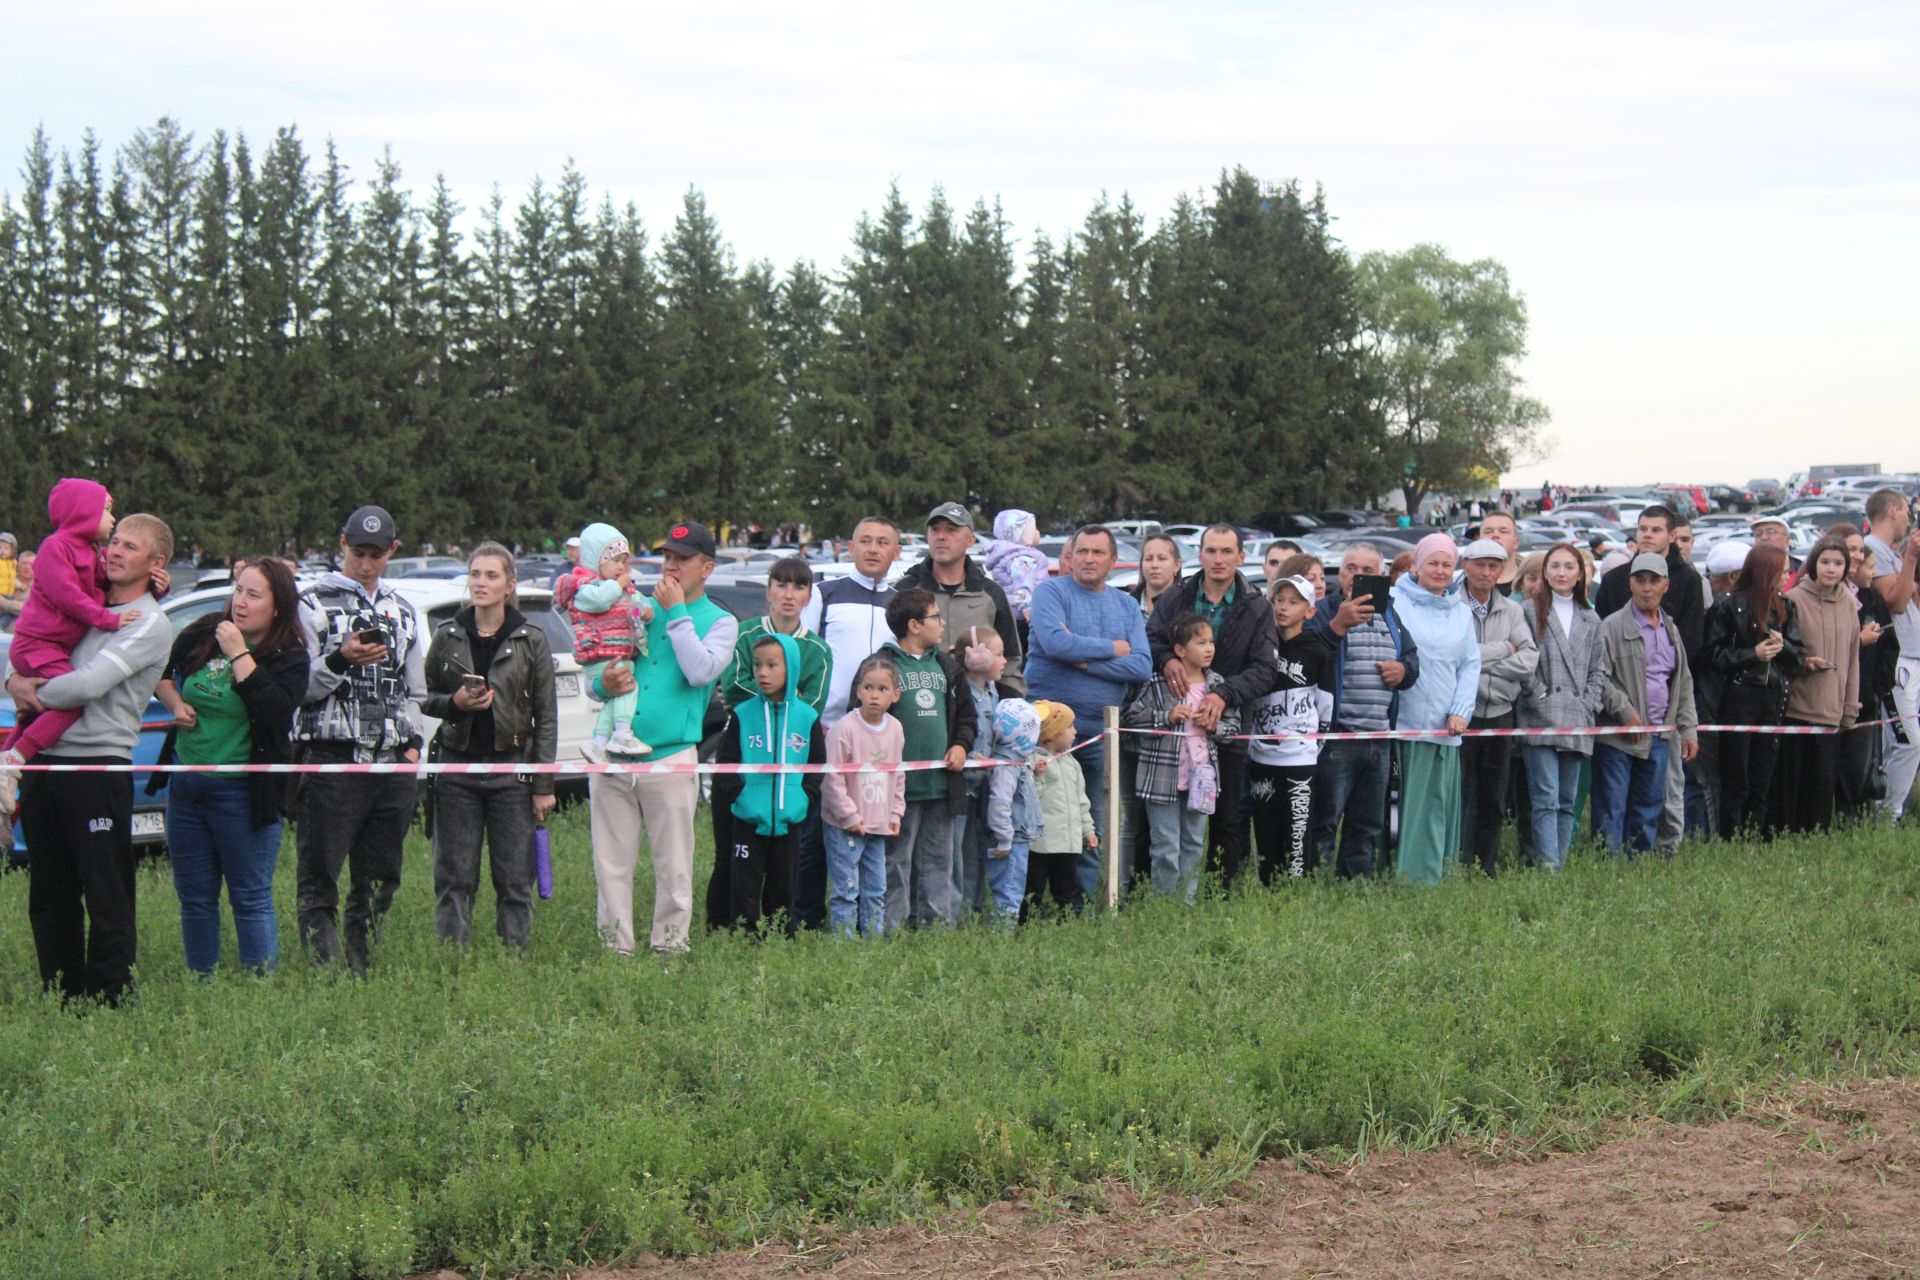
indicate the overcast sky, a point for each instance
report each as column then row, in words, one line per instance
column 1713, row 210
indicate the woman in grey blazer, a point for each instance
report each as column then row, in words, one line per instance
column 1565, row 690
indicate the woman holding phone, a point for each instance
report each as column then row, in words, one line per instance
column 233, row 682
column 490, row 684
column 1753, row 645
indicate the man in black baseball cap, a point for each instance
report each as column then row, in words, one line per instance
column 691, row 644
column 365, row 693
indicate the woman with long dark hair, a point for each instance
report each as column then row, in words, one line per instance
column 233, row 683
column 490, row 684
column 1564, row 691
column 1753, row 645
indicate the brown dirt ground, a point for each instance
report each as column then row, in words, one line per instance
column 1821, row 1184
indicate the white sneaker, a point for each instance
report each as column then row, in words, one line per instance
column 9, row 782
column 625, row 744
column 594, row 751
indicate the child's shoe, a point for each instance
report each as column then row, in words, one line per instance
column 9, row 782
column 594, row 751
column 624, row 743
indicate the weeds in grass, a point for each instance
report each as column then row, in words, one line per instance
column 481, row 1109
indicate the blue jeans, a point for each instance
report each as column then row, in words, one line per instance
column 1629, row 794
column 856, row 881
column 210, row 838
column 1093, row 767
column 1177, row 845
column 970, row 857
column 1553, row 779
column 1351, row 784
column 1007, row 878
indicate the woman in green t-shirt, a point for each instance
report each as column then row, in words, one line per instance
column 233, row 684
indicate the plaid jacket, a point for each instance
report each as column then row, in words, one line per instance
column 1159, row 774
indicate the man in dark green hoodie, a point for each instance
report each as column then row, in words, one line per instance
column 767, row 809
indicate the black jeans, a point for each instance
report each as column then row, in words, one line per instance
column 357, row 823
column 1227, row 829
column 1746, row 761
column 78, row 828
column 1282, row 800
column 1486, row 764
column 499, row 809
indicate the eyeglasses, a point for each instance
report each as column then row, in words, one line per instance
column 933, row 617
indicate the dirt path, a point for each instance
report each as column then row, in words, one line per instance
column 1822, row 1186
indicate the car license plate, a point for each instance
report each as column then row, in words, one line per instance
column 149, row 824
column 567, row 686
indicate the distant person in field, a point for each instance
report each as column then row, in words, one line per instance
column 937, row 719
column 1498, row 526
column 1015, row 560
column 1179, row 776
column 1433, row 610
column 1053, row 857
column 969, row 598
column 859, row 811
column 16, row 600
column 1280, row 770
column 1860, row 753
column 609, row 620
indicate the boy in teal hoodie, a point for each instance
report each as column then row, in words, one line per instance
column 766, row 809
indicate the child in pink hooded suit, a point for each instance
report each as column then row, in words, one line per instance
column 69, row 599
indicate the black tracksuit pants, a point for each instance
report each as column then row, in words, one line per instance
column 80, row 898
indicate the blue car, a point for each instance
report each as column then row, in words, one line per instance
column 149, row 812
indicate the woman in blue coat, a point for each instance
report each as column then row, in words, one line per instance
column 1433, row 608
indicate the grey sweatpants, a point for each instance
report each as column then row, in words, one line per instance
column 920, row 867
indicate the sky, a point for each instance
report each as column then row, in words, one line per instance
column 1712, row 210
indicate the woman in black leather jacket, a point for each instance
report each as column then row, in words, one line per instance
column 1753, row 647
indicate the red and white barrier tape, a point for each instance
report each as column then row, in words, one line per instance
column 913, row 766
column 1568, row 731
column 571, row 770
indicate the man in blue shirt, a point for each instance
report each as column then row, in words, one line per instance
column 1086, row 647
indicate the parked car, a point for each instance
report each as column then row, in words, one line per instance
column 1766, row 492
column 401, row 566
column 149, row 812
column 1728, row 498
column 1348, row 518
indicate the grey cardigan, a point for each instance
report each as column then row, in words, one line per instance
column 1625, row 654
column 1508, row 655
column 1568, row 686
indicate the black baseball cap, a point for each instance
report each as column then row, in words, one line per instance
column 690, row 538
column 369, row 527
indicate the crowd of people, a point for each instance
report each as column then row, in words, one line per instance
column 1268, row 731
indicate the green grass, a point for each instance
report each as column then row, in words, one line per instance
column 476, row 1108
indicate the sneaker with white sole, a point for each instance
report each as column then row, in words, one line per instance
column 595, row 752
column 9, row 782
column 625, row 744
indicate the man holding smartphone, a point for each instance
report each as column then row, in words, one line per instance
column 1374, row 659
column 364, row 695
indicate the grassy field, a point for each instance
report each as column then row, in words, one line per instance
column 572, row 1106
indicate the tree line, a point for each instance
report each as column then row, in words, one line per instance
column 254, row 341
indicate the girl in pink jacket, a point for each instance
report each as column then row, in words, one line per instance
column 69, row 599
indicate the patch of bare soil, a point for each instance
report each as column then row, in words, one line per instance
column 1822, row 1185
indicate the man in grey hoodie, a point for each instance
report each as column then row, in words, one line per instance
column 79, row 826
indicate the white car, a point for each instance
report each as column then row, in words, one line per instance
column 438, row 600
